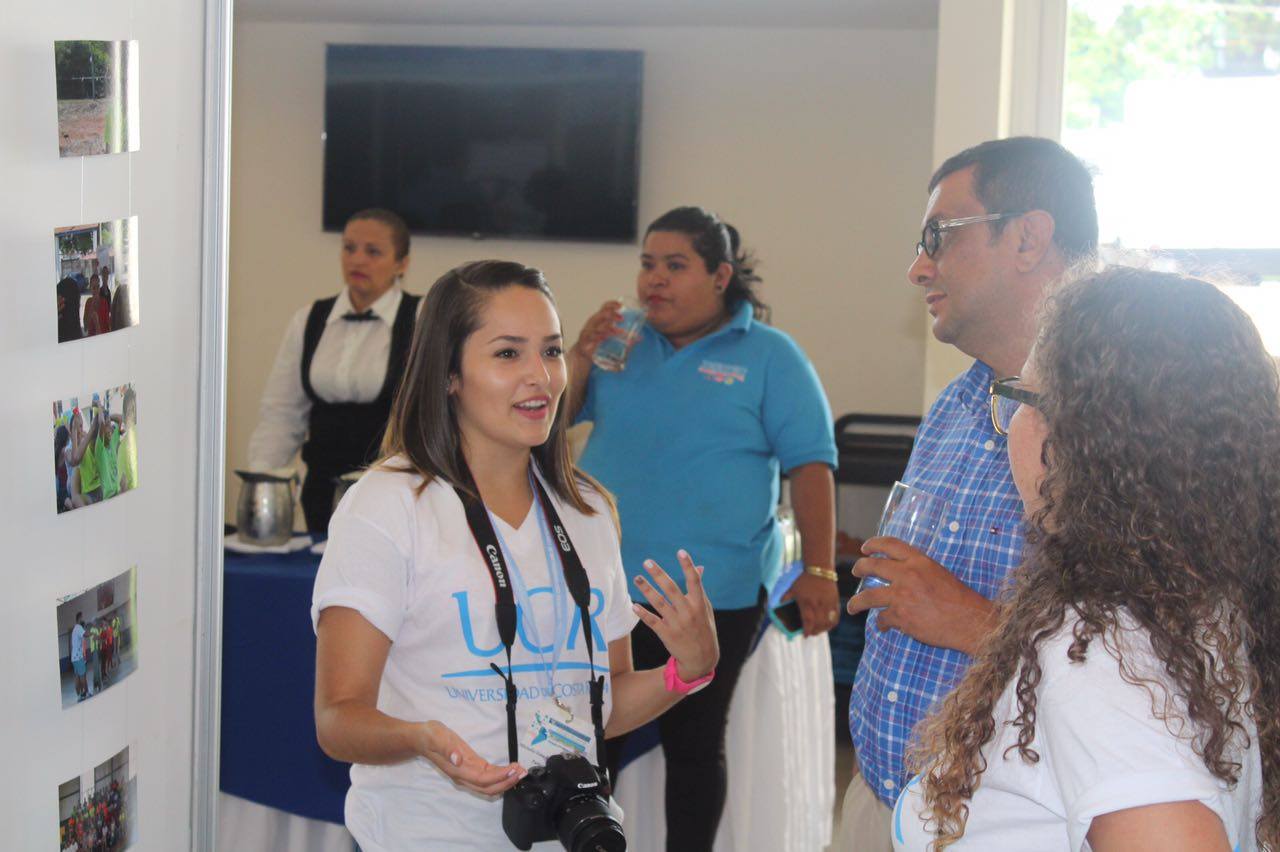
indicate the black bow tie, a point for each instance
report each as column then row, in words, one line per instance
column 352, row 316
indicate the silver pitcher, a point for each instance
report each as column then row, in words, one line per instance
column 342, row 483
column 264, row 513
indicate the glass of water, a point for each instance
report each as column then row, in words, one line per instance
column 912, row 515
column 612, row 352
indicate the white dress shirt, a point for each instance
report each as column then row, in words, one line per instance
column 349, row 365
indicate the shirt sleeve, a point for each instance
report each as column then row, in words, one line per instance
column 619, row 618
column 365, row 569
column 1105, row 749
column 797, row 418
column 285, row 407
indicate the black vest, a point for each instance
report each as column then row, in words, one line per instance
column 346, row 436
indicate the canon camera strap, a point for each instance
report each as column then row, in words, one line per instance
column 504, row 607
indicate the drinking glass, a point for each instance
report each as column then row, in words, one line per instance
column 612, row 352
column 912, row 515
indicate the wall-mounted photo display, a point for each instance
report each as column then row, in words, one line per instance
column 97, row 83
column 98, row 810
column 97, row 638
column 95, row 447
column 96, row 270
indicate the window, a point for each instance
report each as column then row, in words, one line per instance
column 1176, row 104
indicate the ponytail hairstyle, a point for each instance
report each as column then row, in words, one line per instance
column 399, row 230
column 717, row 242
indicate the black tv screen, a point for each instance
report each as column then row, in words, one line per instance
column 484, row 141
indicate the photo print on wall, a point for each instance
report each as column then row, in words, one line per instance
column 96, row 270
column 98, row 810
column 95, row 447
column 97, row 84
column 97, row 637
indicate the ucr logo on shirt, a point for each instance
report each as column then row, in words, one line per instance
column 463, row 601
column 724, row 374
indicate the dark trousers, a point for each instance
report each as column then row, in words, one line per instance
column 317, row 501
column 692, row 732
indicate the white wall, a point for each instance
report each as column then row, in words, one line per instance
column 47, row 556
column 815, row 143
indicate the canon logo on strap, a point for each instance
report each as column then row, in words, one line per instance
column 562, row 538
column 492, row 553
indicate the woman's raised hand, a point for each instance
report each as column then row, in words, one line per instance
column 600, row 325
column 452, row 756
column 684, row 621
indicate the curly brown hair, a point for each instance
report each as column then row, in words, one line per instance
column 1161, row 498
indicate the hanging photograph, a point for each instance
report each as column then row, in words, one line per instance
column 96, row 270
column 98, row 810
column 95, row 447
column 97, row 83
column 97, row 638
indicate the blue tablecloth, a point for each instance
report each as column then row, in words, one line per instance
column 269, row 751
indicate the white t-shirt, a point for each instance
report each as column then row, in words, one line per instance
column 411, row 567
column 1101, row 750
column 77, row 643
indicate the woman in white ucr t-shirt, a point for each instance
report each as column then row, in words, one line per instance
column 404, row 603
column 1128, row 697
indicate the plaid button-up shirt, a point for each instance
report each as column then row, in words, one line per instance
column 958, row 456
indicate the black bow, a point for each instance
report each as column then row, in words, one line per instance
column 366, row 316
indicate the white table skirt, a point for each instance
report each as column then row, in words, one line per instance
column 244, row 825
column 781, row 758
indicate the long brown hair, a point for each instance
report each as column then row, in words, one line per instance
column 423, row 427
column 1161, row 499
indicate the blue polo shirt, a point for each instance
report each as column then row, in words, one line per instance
column 690, row 441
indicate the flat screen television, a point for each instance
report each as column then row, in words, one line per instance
column 484, row 141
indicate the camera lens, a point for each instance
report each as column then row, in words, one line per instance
column 587, row 825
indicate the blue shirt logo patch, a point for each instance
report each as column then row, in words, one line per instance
column 725, row 374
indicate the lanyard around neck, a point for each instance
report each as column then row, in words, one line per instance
column 504, row 606
column 527, row 621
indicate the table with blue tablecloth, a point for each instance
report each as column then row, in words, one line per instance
column 269, row 752
column 780, row 731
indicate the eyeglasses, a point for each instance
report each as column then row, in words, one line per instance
column 1006, row 398
column 931, row 235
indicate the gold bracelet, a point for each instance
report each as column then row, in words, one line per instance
column 824, row 573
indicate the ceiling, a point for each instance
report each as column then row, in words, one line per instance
column 861, row 14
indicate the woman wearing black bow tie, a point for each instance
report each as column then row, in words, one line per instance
column 338, row 367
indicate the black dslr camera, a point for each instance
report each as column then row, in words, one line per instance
column 565, row 799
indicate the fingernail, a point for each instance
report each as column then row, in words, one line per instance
column 635, row 607
column 511, row 773
column 455, row 759
column 649, row 563
column 682, row 553
column 699, row 569
column 639, row 581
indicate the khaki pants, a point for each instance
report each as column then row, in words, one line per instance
column 865, row 822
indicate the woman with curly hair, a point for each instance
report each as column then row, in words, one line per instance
column 1127, row 698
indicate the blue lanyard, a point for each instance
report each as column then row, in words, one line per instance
column 560, row 598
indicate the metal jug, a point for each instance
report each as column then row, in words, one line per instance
column 264, row 513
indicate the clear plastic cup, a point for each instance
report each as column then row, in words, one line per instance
column 612, row 352
column 912, row 515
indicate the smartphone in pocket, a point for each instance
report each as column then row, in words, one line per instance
column 788, row 615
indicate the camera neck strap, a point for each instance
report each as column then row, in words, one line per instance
column 505, row 611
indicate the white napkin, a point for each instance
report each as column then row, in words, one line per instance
column 232, row 542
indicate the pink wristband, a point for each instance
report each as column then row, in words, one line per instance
column 674, row 684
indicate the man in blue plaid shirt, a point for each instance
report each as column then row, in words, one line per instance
column 1004, row 220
